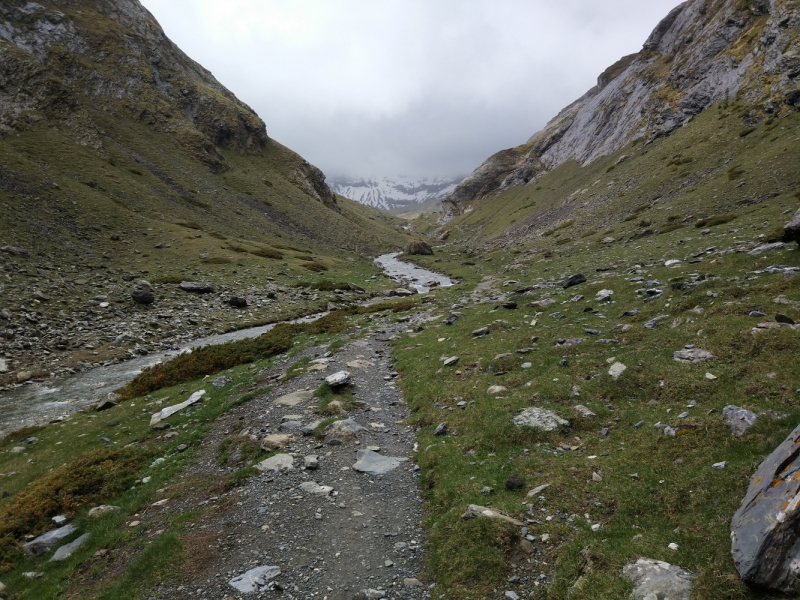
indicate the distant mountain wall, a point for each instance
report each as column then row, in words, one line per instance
column 703, row 51
column 393, row 193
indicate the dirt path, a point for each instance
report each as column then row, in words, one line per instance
column 364, row 535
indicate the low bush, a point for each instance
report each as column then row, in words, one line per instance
column 315, row 266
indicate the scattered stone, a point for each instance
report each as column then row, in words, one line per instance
column 673, row 262
column 99, row 511
column 540, row 418
column 171, row 410
column 277, row 441
column 584, row 412
column 510, row 305
column 59, row 520
column 373, row 463
column 569, row 342
column 143, row 293
column 338, row 379
column 791, row 231
column 720, row 465
column 784, row 319
column 44, row 542
column 474, row 511
column 692, row 355
column 65, row 551
column 604, row 295
column 221, row 382
column 538, row 490
column 608, row 240
column 293, row 399
column 764, row 530
column 617, row 369
column 739, row 419
column 487, row 491
column 511, row 595
column 342, row 431
column 766, row 248
column 237, row 302
column 37, row 295
column 657, row 579
column 711, row 377
column 496, row 390
column 356, row 288
column 312, row 487
column 196, row 287
column 279, row 462
column 441, row 429
column 515, row 482
column 574, row 280
column 480, row 332
column 449, row 362
column 411, row 582
column 15, row 251
column 105, row 404
column 254, row 579
column 311, row 462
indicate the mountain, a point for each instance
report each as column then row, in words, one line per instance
column 398, row 194
column 700, row 54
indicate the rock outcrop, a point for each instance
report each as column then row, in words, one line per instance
column 699, row 54
column 764, row 531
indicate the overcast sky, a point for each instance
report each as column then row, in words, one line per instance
column 422, row 88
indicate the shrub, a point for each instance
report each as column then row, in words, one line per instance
column 267, row 253
column 315, row 266
column 718, row 220
column 216, row 260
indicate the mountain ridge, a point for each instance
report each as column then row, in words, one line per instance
column 393, row 194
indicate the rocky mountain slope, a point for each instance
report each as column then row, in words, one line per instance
column 702, row 52
column 396, row 194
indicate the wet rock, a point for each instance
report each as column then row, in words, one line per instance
column 373, row 463
column 143, row 293
column 574, row 280
column 657, row 579
column 692, row 355
column 418, row 248
column 338, row 379
column 764, row 531
column 44, row 542
column 237, row 301
column 481, row 512
column 739, row 419
column 276, row 441
column 539, row 418
column 196, row 287
column 279, row 462
column 253, row 579
column 515, row 482
column 65, row 551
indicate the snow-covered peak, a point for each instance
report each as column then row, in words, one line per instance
column 390, row 193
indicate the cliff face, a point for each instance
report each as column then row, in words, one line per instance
column 702, row 52
column 64, row 59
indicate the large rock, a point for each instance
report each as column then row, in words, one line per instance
column 294, row 398
column 539, row 418
column 692, row 355
column 740, row 419
column 276, row 441
column 791, row 231
column 279, row 462
column 764, row 531
column 251, row 581
column 65, row 551
column 574, row 280
column 373, row 463
column 656, row 579
column 418, row 248
column 338, row 379
column 44, row 542
column 143, row 293
column 342, row 431
column 196, row 287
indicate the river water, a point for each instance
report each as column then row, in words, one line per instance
column 40, row 402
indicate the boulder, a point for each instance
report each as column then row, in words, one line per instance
column 338, row 379
column 105, row 404
column 196, row 287
column 764, row 531
column 44, row 542
column 276, row 441
column 142, row 293
column 373, row 463
column 279, row 462
column 65, row 551
column 692, row 355
column 574, row 280
column 418, row 247
column 658, row 579
column 294, row 398
column 342, row 431
column 237, row 302
column 739, row 419
column 791, row 231
column 539, row 418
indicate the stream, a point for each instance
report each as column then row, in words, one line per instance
column 39, row 402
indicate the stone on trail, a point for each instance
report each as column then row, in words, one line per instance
column 279, row 462
column 312, row 487
column 338, row 379
column 474, row 512
column 739, row 419
column 65, row 551
column 294, row 398
column 343, row 431
column 692, row 355
column 764, row 531
column 574, row 280
column 250, row 582
column 276, row 441
column 104, row 404
column 196, row 287
column 311, row 462
column 617, row 369
column 373, row 463
column 539, row 418
column 658, row 579
column 44, row 542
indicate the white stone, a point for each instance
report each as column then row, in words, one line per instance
column 603, row 295
column 496, row 390
column 279, row 462
column 338, row 379
column 3, row 365
column 672, row 262
column 658, row 579
column 538, row 490
column 171, row 410
column 312, row 487
column 373, row 463
column 617, row 369
column 250, row 581
column 710, row 377
column 539, row 418
column 65, row 551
